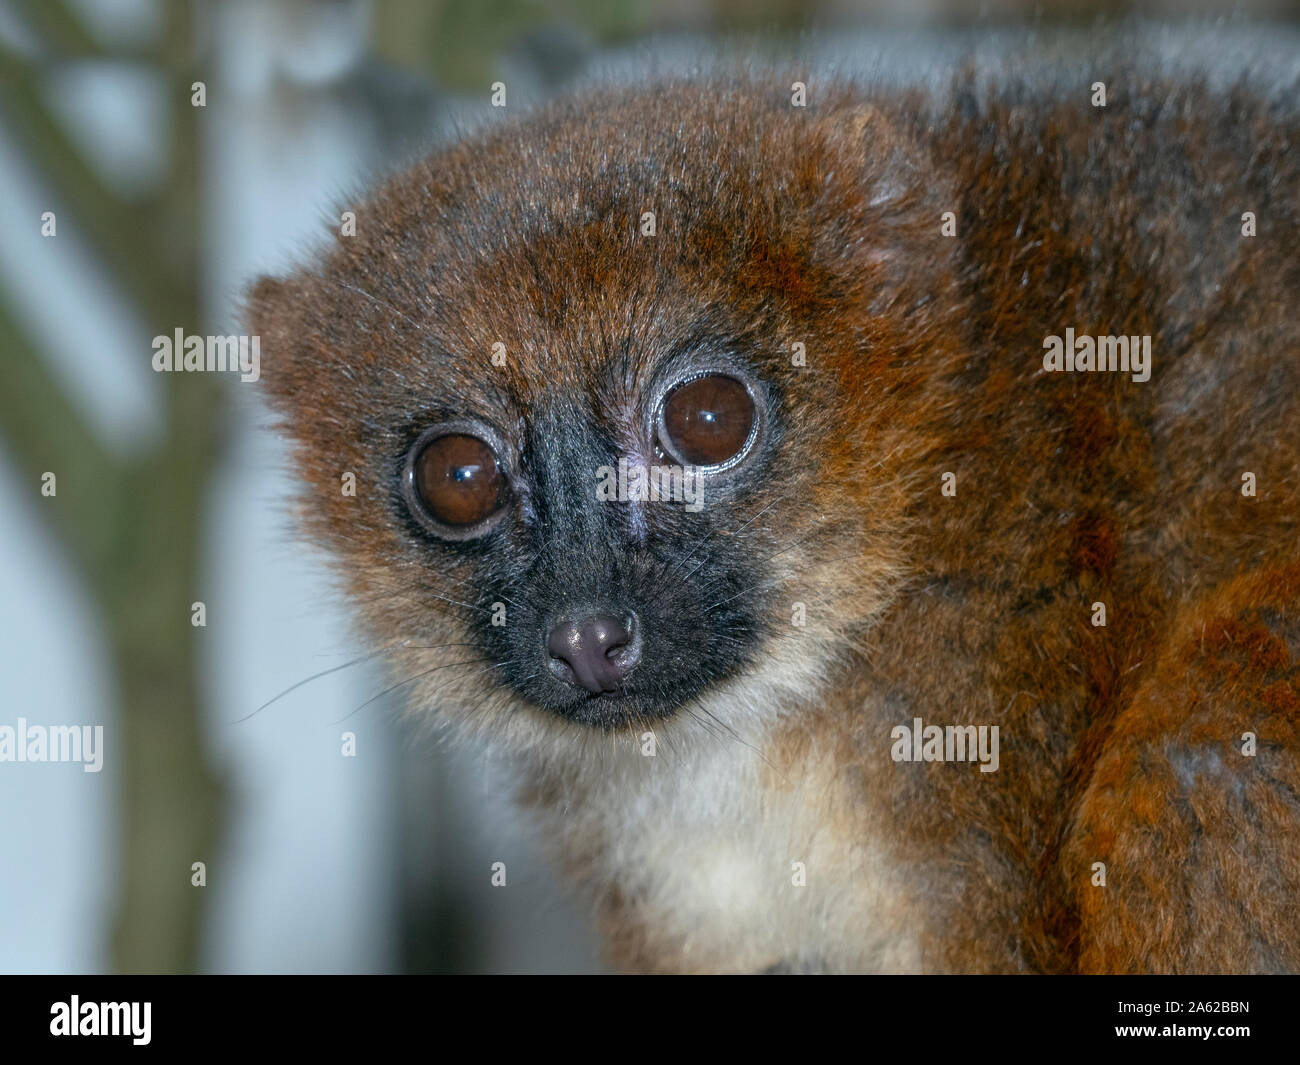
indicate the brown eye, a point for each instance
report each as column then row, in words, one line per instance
column 708, row 420
column 459, row 480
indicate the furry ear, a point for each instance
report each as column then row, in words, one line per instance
column 884, row 201
column 273, row 312
column 864, row 155
column 265, row 304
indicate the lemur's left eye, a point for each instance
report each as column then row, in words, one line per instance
column 707, row 421
column 454, row 482
column 459, row 480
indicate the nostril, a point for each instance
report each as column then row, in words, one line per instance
column 618, row 643
column 595, row 652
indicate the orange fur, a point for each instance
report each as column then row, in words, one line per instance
column 1120, row 744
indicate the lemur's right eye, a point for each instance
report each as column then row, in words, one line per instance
column 457, row 480
column 707, row 421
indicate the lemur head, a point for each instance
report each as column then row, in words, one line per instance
column 627, row 389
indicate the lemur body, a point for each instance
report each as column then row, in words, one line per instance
column 941, row 512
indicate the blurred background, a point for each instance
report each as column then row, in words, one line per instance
column 171, row 490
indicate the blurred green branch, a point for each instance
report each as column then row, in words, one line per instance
column 30, row 406
column 132, row 526
column 115, row 225
column 58, row 28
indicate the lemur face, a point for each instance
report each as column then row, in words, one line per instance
column 623, row 427
column 605, row 523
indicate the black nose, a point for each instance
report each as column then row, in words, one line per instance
column 595, row 652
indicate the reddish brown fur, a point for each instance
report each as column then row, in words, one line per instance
column 1119, row 744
